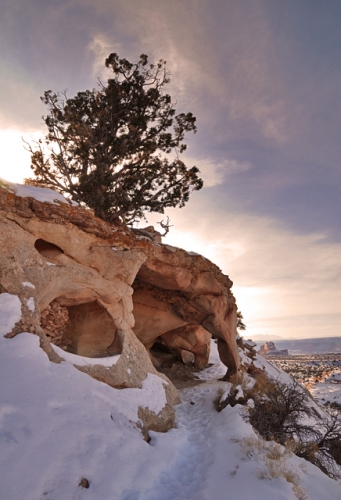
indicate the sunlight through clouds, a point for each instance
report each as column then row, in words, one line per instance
column 263, row 80
column 15, row 161
column 276, row 273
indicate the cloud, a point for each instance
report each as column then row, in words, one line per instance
column 19, row 100
column 100, row 47
column 263, row 82
column 215, row 172
column 277, row 273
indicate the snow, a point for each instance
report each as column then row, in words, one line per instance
column 30, row 304
column 39, row 194
column 239, row 393
column 58, row 425
column 28, row 284
column 141, row 237
column 10, row 312
column 218, row 370
column 74, row 359
column 250, row 343
column 171, row 248
column 335, row 377
column 328, row 390
column 272, row 371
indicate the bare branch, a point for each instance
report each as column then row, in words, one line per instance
column 165, row 225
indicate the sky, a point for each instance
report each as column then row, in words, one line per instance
column 263, row 79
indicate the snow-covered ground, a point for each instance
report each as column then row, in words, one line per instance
column 320, row 373
column 328, row 390
column 58, row 425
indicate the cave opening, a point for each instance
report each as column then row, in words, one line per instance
column 47, row 249
column 170, row 362
column 176, row 347
column 84, row 329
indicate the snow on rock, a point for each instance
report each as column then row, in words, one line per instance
column 10, row 312
column 249, row 343
column 156, row 397
column 28, row 284
column 271, row 370
column 141, row 237
column 66, row 253
column 75, row 359
column 30, row 304
column 75, row 264
column 217, row 370
column 58, row 425
column 39, row 194
column 239, row 393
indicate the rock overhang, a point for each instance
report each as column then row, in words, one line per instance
column 83, row 264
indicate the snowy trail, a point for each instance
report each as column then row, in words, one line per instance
column 183, row 481
column 58, row 425
column 185, row 478
column 189, row 472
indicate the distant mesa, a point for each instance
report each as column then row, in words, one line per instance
column 269, row 349
column 266, row 338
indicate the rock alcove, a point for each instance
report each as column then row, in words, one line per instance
column 83, row 329
column 94, row 289
column 73, row 275
column 173, row 309
column 87, row 329
column 47, row 249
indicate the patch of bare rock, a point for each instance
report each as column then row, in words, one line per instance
column 97, row 291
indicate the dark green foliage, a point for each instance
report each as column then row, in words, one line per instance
column 240, row 322
column 110, row 148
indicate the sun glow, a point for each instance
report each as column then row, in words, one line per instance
column 14, row 159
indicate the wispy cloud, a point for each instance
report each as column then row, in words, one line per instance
column 262, row 80
column 215, row 172
column 100, row 47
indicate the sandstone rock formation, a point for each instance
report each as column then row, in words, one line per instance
column 174, row 289
column 190, row 340
column 100, row 291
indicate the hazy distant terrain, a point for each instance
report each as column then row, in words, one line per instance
column 308, row 346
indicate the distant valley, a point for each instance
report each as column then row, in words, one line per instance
column 320, row 345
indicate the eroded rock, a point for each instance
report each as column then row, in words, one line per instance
column 193, row 342
column 184, row 290
column 96, row 291
column 73, row 275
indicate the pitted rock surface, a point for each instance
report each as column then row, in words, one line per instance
column 97, row 290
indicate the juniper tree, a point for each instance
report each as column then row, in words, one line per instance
column 117, row 148
column 240, row 321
